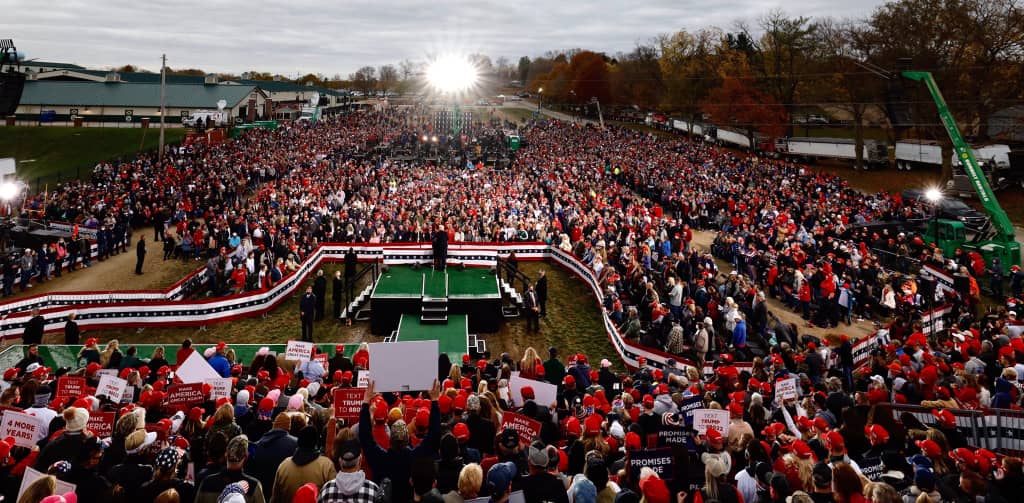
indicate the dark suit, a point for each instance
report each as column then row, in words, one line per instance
column 337, row 292
column 542, row 294
column 532, row 310
column 71, row 332
column 320, row 290
column 34, row 330
column 440, row 249
column 140, row 254
column 307, row 311
column 351, row 262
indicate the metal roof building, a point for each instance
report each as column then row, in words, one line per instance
column 115, row 101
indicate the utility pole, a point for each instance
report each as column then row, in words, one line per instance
column 163, row 103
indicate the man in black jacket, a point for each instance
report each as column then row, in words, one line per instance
column 542, row 292
column 320, row 290
column 140, row 254
column 307, row 311
column 34, row 328
column 337, row 292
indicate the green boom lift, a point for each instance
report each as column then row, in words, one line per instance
column 997, row 238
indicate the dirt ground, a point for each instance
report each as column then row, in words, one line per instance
column 858, row 329
column 118, row 273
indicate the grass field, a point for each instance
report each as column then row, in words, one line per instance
column 517, row 115
column 573, row 324
column 53, row 153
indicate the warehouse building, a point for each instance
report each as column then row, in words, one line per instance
column 115, row 101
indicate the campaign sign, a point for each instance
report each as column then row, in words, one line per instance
column 195, row 369
column 183, row 396
column 24, row 428
column 101, row 423
column 220, row 387
column 347, row 403
column 299, row 350
column 528, row 429
column 364, row 379
column 411, row 366
column 660, row 460
column 872, row 468
column 129, row 394
column 322, row 358
column 786, row 389
column 111, row 387
column 69, row 386
column 688, row 406
column 715, row 419
column 669, row 436
column 106, row 372
column 544, row 393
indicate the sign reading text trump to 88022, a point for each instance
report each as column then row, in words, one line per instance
column 711, row 419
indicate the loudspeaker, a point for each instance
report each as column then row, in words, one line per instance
column 11, row 87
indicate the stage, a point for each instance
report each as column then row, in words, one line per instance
column 435, row 297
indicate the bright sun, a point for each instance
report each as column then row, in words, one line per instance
column 452, row 74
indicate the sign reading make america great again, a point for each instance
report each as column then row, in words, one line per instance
column 183, row 396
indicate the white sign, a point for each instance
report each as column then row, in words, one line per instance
column 32, row 475
column 786, row 389
column 106, row 372
column 129, row 394
column 298, row 350
column 364, row 379
column 219, row 388
column 24, row 428
column 195, row 369
column 544, row 393
column 111, row 387
column 411, row 366
column 715, row 419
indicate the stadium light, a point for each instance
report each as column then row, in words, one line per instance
column 933, row 195
column 452, row 74
column 8, row 191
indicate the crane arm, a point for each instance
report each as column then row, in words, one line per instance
column 1000, row 220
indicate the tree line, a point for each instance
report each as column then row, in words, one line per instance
column 758, row 79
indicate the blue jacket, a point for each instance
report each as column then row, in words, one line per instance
column 739, row 334
column 221, row 365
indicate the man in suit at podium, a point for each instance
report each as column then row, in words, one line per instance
column 440, row 246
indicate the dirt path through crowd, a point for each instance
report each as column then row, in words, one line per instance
column 703, row 240
column 117, row 273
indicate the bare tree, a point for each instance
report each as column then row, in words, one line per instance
column 387, row 78
column 364, row 79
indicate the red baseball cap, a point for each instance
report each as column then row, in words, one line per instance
column 714, row 436
column 569, row 381
column 736, row 409
column 930, row 448
column 878, row 432
column 835, row 440
column 633, row 441
column 965, row 456
column 461, row 431
column 572, row 427
column 945, row 417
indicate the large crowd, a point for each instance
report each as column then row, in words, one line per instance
column 625, row 203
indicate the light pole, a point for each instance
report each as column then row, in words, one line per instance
column 540, row 99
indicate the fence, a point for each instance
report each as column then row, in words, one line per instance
column 998, row 430
column 151, row 308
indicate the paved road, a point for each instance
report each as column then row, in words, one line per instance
column 532, row 106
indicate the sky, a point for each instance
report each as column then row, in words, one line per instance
column 296, row 37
